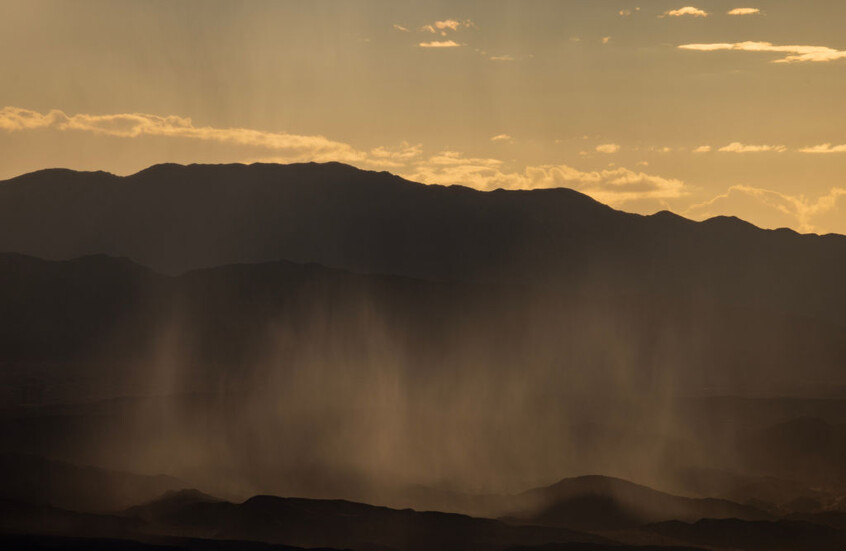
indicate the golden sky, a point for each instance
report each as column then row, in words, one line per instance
column 701, row 107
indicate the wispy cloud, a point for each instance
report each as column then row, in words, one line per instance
column 824, row 148
column 285, row 146
column 606, row 39
column 797, row 54
column 608, row 148
column 442, row 27
column 395, row 157
column 505, row 57
column 772, row 209
column 737, row 147
column 687, row 10
column 744, row 11
column 614, row 186
column 501, row 138
column 702, row 149
column 440, row 44
column 401, row 28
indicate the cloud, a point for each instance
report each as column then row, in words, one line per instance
column 608, row 148
column 702, row 149
column 505, row 57
column 401, row 28
column 501, row 138
column 396, row 157
column 440, row 44
column 687, row 10
column 441, row 27
column 773, row 209
column 291, row 147
column 627, row 13
column 614, row 186
column 824, row 148
column 606, row 39
column 797, row 54
column 737, row 147
column 744, row 11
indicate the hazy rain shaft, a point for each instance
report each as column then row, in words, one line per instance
column 355, row 393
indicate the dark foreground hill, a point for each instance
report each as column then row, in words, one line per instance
column 760, row 536
column 284, row 521
column 45, row 543
column 313, row 523
column 31, row 542
column 599, row 503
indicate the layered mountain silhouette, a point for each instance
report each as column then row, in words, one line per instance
column 174, row 218
column 323, row 523
column 406, row 360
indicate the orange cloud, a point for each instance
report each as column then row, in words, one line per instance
column 441, row 27
column 616, row 187
column 797, row 54
column 133, row 125
column 687, row 10
column 440, row 44
column 737, row 147
column 824, row 148
column 744, row 11
column 772, row 209
column 608, row 148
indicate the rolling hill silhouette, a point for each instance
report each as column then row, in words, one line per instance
column 597, row 503
column 311, row 523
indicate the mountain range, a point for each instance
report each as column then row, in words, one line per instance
column 400, row 361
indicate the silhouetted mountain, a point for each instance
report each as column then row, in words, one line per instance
column 32, row 479
column 597, row 503
column 24, row 518
column 310, row 523
column 771, row 494
column 173, row 218
column 168, row 504
column 45, row 543
column 600, row 547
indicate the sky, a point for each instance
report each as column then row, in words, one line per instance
column 702, row 107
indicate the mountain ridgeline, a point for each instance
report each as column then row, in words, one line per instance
column 173, row 218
